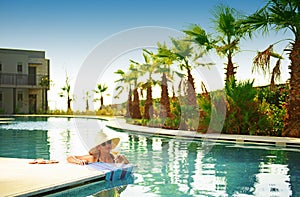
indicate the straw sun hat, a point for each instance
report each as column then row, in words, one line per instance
column 101, row 137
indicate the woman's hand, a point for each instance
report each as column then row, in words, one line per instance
column 80, row 160
column 121, row 159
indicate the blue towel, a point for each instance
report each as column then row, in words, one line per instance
column 113, row 171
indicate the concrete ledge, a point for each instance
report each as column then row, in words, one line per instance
column 19, row 178
column 120, row 124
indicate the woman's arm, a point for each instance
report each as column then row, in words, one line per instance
column 81, row 160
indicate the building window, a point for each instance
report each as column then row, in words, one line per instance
column 20, row 99
column 20, row 67
column 0, row 66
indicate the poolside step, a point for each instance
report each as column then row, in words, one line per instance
column 6, row 120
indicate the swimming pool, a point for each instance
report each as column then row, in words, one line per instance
column 166, row 166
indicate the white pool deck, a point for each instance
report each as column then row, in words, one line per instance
column 19, row 178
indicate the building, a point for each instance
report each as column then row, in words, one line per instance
column 24, row 81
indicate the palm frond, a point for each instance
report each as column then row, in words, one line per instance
column 262, row 60
column 180, row 75
column 148, row 52
column 199, row 36
column 198, row 55
column 277, row 71
column 226, row 47
column 119, row 80
column 276, row 55
column 208, row 64
column 182, row 49
column 119, row 90
column 203, row 88
column 257, row 21
column 275, row 15
column 120, row 72
column 134, row 62
column 146, row 58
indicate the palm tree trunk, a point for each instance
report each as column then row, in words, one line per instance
column 192, row 110
column 129, row 105
column 191, row 92
column 101, row 102
column 69, row 103
column 230, row 68
column 87, row 108
column 136, row 112
column 148, row 110
column 292, row 123
column 165, row 110
column 173, row 92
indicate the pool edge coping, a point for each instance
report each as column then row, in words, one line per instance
column 289, row 142
column 233, row 138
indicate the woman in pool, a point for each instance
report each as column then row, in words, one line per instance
column 101, row 151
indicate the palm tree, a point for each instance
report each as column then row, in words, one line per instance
column 282, row 15
column 86, row 98
column 66, row 92
column 148, row 68
column 101, row 88
column 183, row 51
column 188, row 59
column 125, row 78
column 165, row 58
column 229, row 33
column 134, row 74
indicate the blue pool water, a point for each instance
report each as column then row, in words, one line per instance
column 166, row 166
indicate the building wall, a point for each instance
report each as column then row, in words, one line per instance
column 16, row 97
column 7, row 100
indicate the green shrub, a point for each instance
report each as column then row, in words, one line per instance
column 156, row 122
column 276, row 96
column 275, row 116
column 171, row 123
column 244, row 114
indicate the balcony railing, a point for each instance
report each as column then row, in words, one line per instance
column 24, row 80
